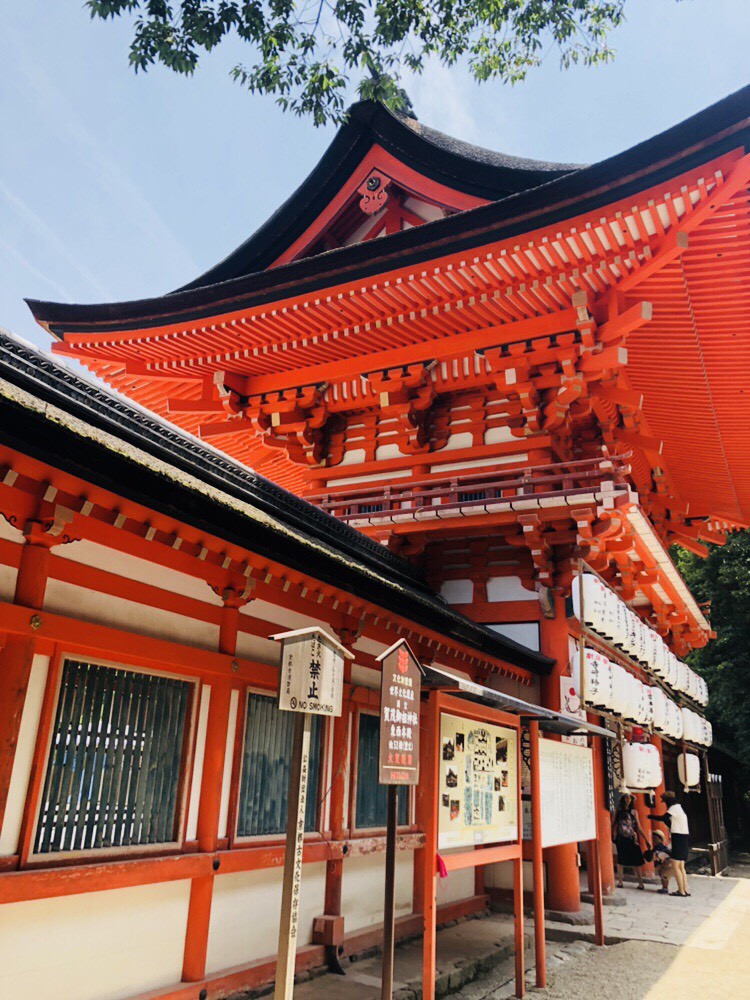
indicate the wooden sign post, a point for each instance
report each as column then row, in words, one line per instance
column 311, row 682
column 400, row 688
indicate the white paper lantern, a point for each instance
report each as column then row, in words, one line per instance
column 690, row 729
column 646, row 711
column 659, row 661
column 659, row 709
column 689, row 770
column 595, row 596
column 619, row 689
column 709, row 733
column 644, row 643
column 641, row 766
column 598, row 676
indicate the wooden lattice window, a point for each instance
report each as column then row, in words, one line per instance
column 370, row 806
column 115, row 769
column 264, row 778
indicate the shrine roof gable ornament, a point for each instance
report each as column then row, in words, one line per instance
column 376, row 150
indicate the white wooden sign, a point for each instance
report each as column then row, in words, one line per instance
column 566, row 785
column 311, row 675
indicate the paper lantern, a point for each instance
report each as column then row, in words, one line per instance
column 595, row 596
column 659, row 709
column 598, row 678
column 643, row 654
column 619, row 690
column 641, row 766
column 646, row 710
column 659, row 661
column 689, row 770
column 690, row 730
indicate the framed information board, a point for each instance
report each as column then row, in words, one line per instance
column 566, row 786
column 478, row 783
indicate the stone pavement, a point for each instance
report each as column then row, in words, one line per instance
column 475, row 957
column 714, row 961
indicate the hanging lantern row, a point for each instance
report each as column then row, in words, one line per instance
column 604, row 613
column 613, row 689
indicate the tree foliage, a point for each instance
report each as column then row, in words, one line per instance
column 308, row 52
column 724, row 580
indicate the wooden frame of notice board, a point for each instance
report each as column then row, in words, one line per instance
column 477, row 854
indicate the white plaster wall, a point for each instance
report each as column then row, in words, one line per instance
column 19, row 779
column 104, row 609
column 508, row 588
column 354, row 457
column 133, row 568
column 94, row 946
column 462, row 440
column 457, row 591
column 245, row 912
column 8, row 576
column 363, row 887
column 498, row 434
column 458, row 885
column 527, row 633
column 285, row 618
column 252, row 647
column 500, row 876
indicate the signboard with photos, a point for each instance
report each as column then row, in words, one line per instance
column 478, row 783
column 400, row 688
column 311, row 673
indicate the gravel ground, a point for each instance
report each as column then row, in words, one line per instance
column 618, row 972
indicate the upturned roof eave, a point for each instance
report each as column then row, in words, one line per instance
column 719, row 129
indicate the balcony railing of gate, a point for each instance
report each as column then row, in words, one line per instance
column 468, row 493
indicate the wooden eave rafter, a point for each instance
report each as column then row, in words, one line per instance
column 91, row 513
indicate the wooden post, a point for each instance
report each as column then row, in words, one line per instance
column 518, row 924
column 295, row 834
column 596, row 889
column 540, row 946
column 430, row 780
column 389, row 916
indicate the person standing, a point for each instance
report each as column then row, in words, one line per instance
column 675, row 819
column 626, row 833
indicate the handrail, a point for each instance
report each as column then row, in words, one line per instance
column 441, row 496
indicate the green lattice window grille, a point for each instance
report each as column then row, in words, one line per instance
column 370, row 807
column 264, row 777
column 115, row 767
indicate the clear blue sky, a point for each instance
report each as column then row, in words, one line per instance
column 116, row 186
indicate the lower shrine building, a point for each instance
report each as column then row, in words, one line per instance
column 443, row 394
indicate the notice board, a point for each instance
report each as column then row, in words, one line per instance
column 478, row 783
column 566, row 785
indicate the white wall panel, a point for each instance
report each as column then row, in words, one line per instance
column 94, row 946
column 133, row 568
column 508, row 588
column 200, row 748
column 364, row 884
column 457, row 591
column 527, row 633
column 104, row 609
column 245, row 912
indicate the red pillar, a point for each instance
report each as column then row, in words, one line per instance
column 563, row 888
column 17, row 651
column 201, row 889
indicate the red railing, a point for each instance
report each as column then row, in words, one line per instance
column 569, row 483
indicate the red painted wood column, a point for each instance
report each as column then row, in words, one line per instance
column 338, row 815
column 658, row 807
column 201, row 889
column 17, row 652
column 563, row 888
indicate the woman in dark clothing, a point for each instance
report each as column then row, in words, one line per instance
column 626, row 832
